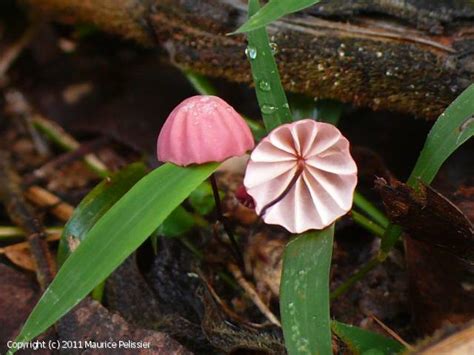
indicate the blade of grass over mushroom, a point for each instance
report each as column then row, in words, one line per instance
column 272, row 11
column 361, row 341
column 112, row 239
column 304, row 293
column 453, row 128
column 270, row 94
column 95, row 205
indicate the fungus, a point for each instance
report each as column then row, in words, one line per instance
column 302, row 176
column 203, row 129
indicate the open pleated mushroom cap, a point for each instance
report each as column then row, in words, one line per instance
column 203, row 129
column 302, row 176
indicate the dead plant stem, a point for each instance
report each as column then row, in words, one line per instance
column 23, row 215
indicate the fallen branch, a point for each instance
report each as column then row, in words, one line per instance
column 23, row 215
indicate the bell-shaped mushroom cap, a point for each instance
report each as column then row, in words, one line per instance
column 203, row 129
column 302, row 176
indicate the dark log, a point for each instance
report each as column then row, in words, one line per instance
column 411, row 56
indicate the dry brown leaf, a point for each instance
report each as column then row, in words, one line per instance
column 19, row 254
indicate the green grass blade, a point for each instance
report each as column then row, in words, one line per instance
column 373, row 212
column 177, row 223
column 202, row 199
column 98, row 201
column 304, row 293
column 453, row 128
column 270, row 94
column 272, row 11
column 114, row 237
column 368, row 224
column 200, row 83
column 361, row 341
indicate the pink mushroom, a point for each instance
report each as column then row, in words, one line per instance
column 203, row 129
column 302, row 176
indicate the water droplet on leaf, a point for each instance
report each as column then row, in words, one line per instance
column 268, row 109
column 264, row 85
column 251, row 52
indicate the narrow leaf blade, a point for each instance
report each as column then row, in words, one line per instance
column 304, row 293
column 270, row 94
column 360, row 340
column 98, row 201
column 454, row 127
column 272, row 11
column 115, row 236
column 202, row 199
column 177, row 223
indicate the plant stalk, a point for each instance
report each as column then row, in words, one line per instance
column 373, row 212
column 357, row 276
column 220, row 217
column 368, row 224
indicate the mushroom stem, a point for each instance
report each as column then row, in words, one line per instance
column 220, row 217
column 285, row 192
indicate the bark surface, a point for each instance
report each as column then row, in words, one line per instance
column 411, row 56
